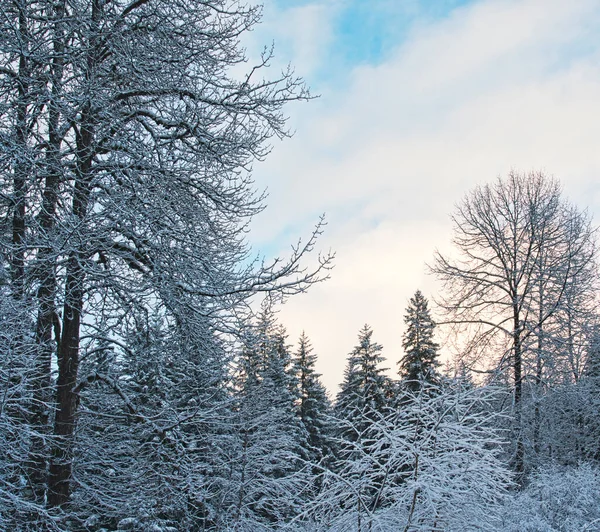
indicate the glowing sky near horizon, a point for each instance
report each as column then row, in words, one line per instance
column 419, row 101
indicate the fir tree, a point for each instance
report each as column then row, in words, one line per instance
column 157, row 428
column 361, row 407
column 420, row 362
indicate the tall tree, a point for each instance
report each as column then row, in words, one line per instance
column 313, row 402
column 361, row 405
column 270, row 476
column 362, row 397
column 420, row 363
column 125, row 156
column 27, row 83
column 519, row 246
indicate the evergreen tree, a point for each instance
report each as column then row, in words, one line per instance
column 313, row 402
column 281, row 367
column 269, row 474
column 362, row 398
column 420, row 362
column 360, row 408
column 152, row 447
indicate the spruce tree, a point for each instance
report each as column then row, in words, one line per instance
column 153, row 445
column 268, row 472
column 420, row 362
column 313, row 401
column 360, row 409
column 362, row 398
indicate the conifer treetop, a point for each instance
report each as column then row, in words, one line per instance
column 420, row 361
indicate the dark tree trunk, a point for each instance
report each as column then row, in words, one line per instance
column 68, row 352
column 61, row 464
column 46, row 272
column 66, row 397
column 21, row 166
column 519, row 461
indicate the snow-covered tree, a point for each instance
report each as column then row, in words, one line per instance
column 154, row 430
column 20, row 508
column 438, row 454
column 125, row 140
column 520, row 245
column 360, row 404
column 556, row 499
column 314, row 406
column 270, row 476
column 363, row 394
column 420, row 362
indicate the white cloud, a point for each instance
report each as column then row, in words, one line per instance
column 496, row 85
column 299, row 33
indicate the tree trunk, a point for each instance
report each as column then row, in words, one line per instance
column 68, row 352
column 66, row 397
column 68, row 359
column 46, row 272
column 61, row 465
column 519, row 462
column 21, row 165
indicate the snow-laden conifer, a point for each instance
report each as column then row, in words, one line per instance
column 420, row 362
column 270, row 477
column 313, row 403
column 363, row 394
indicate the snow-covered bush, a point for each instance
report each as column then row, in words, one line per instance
column 433, row 465
column 556, row 500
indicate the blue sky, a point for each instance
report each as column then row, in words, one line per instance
column 367, row 31
column 419, row 101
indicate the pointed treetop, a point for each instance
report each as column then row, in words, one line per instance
column 420, row 361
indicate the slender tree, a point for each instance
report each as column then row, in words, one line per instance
column 360, row 405
column 362, row 397
column 420, row 363
column 314, row 406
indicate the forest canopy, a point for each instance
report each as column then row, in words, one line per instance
column 142, row 388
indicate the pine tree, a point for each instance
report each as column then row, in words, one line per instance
column 419, row 364
column 360, row 407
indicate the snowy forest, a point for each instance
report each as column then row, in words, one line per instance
column 146, row 383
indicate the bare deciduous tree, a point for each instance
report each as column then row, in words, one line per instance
column 520, row 246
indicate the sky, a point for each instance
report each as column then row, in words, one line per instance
column 418, row 102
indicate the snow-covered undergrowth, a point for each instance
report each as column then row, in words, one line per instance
column 557, row 499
